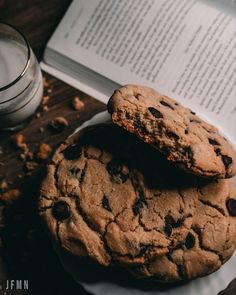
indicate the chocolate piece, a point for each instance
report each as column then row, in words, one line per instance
column 218, row 152
column 226, row 160
column 138, row 206
column 72, row 152
column 143, row 249
column 190, row 241
column 115, row 170
column 61, row 210
column 213, row 141
column 157, row 114
column 164, row 103
column 105, row 203
column 231, row 206
column 173, row 135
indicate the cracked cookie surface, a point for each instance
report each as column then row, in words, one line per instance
column 176, row 131
column 111, row 198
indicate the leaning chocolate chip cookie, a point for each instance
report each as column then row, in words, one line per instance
column 176, row 131
column 111, row 198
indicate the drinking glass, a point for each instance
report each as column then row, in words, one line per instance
column 21, row 84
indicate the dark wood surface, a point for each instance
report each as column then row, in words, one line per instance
column 37, row 20
column 23, row 258
column 24, row 247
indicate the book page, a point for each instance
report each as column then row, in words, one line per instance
column 183, row 48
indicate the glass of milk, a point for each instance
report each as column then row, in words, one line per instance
column 21, row 84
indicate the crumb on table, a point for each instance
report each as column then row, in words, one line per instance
column 77, row 103
column 10, row 196
column 58, row 124
column 44, row 151
column 19, row 141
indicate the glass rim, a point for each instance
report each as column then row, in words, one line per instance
column 27, row 61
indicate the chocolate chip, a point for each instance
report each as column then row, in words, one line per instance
column 138, row 95
column 82, row 176
column 213, row 141
column 186, row 131
column 105, row 203
column 157, row 114
column 195, row 121
column 182, row 271
column 143, row 249
column 122, row 177
column 173, row 135
column 168, row 229
column 190, row 241
column 188, row 152
column 169, row 221
column 231, row 206
column 61, row 210
column 115, row 170
column 74, row 171
column 193, row 113
column 166, row 104
column 72, row 152
column 218, row 152
column 138, row 206
column 226, row 160
column 179, row 222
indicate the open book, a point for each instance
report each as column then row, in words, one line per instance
column 185, row 49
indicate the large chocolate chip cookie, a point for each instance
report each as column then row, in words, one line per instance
column 176, row 131
column 111, row 198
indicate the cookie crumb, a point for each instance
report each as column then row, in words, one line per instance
column 29, row 155
column 41, row 129
column 3, row 185
column 19, row 141
column 26, row 155
column 10, row 196
column 77, row 104
column 44, row 151
column 22, row 156
column 58, row 124
column 45, row 99
column 38, row 115
column 45, row 108
column 45, row 83
column 31, row 165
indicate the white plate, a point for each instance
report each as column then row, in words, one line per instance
column 209, row 285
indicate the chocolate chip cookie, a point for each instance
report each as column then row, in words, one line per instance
column 176, row 131
column 110, row 198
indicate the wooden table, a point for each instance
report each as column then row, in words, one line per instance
column 25, row 250
column 24, row 259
